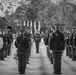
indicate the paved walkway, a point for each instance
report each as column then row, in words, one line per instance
column 39, row 64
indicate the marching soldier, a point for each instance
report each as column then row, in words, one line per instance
column 37, row 39
column 57, row 45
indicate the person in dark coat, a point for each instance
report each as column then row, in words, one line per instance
column 10, row 39
column 74, row 43
column 37, row 39
column 57, row 45
column 22, row 44
column 71, row 44
column 28, row 34
column 1, row 47
column 6, row 40
column 67, row 44
column 46, row 42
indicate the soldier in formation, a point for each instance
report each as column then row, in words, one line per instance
column 23, row 50
column 37, row 39
column 1, row 47
column 67, row 43
column 70, row 45
column 74, row 43
column 7, row 41
column 57, row 45
column 46, row 42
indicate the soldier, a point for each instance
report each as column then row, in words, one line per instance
column 67, row 44
column 4, row 45
column 46, row 42
column 10, row 39
column 22, row 43
column 1, row 47
column 50, row 52
column 74, row 44
column 57, row 46
column 37, row 39
column 71, row 44
column 6, row 40
column 28, row 34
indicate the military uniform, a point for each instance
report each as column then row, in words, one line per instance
column 67, row 45
column 37, row 39
column 29, row 50
column 74, row 43
column 71, row 46
column 6, row 44
column 2, row 50
column 46, row 42
column 10, row 39
column 57, row 45
column 22, row 43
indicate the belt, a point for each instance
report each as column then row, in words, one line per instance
column 21, row 53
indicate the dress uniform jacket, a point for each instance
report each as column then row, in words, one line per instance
column 71, row 45
column 57, row 41
column 1, row 48
column 67, row 45
column 67, row 40
column 46, row 39
column 71, row 39
column 57, row 44
column 37, row 39
column 22, row 43
column 75, row 40
column 74, row 43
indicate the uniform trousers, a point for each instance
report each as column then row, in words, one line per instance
column 9, row 49
column 37, row 47
column 22, row 60
column 2, row 54
column 67, row 50
column 74, row 54
column 57, row 62
column 70, row 52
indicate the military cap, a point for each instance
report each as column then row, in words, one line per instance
column 9, row 27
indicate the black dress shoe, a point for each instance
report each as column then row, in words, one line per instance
column 54, row 73
column 73, row 59
column 27, row 62
column 22, row 73
column 57, row 73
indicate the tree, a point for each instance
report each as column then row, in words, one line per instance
column 3, row 23
column 45, row 15
column 31, row 14
column 66, row 14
